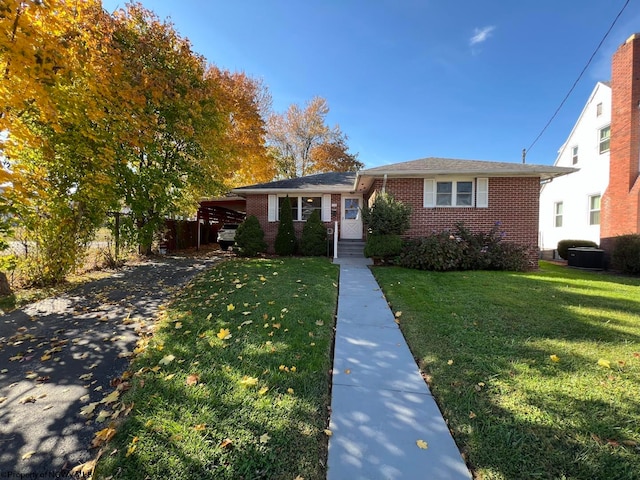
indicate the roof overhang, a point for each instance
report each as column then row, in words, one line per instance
column 317, row 189
column 364, row 179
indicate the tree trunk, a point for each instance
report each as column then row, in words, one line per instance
column 5, row 288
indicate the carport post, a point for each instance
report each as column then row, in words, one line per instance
column 117, row 229
column 198, row 247
column 335, row 240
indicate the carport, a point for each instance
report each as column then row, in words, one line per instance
column 215, row 212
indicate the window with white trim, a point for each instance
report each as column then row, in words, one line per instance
column 599, row 109
column 454, row 194
column 557, row 214
column 574, row 154
column 301, row 207
column 462, row 192
column 604, row 136
column 594, row 210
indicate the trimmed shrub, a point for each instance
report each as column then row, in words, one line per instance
column 286, row 242
column 314, row 236
column 462, row 249
column 565, row 245
column 509, row 256
column 439, row 252
column 250, row 238
column 387, row 216
column 383, row 246
column 626, row 254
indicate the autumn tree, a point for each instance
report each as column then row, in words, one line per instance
column 100, row 111
column 334, row 156
column 302, row 143
column 173, row 144
column 244, row 103
column 55, row 142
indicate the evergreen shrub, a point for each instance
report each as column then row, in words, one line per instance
column 286, row 242
column 313, row 242
column 250, row 238
column 626, row 254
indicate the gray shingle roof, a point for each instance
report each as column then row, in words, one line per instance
column 452, row 166
column 325, row 182
column 345, row 181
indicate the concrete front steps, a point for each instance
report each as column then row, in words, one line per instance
column 351, row 249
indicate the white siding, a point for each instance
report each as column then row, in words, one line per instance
column 573, row 190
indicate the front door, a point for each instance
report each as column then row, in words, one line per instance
column 351, row 221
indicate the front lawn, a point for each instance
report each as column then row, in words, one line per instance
column 538, row 374
column 235, row 384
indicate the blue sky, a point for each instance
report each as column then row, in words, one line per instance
column 407, row 79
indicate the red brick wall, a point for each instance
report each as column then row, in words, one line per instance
column 620, row 209
column 514, row 202
column 258, row 205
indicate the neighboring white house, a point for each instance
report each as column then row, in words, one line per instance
column 570, row 204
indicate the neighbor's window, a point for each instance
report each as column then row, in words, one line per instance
column 454, row 194
column 605, row 137
column 301, row 207
column 599, row 109
column 557, row 214
column 574, row 155
column 594, row 210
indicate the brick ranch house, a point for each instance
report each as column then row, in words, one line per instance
column 440, row 192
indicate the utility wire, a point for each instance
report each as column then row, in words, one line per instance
column 576, row 82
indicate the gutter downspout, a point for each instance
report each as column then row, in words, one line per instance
column 384, row 183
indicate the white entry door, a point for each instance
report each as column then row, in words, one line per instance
column 351, row 221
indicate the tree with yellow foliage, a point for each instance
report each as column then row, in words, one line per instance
column 100, row 111
column 54, row 115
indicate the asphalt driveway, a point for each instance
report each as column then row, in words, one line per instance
column 62, row 354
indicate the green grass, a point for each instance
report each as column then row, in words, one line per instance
column 485, row 341
column 281, row 328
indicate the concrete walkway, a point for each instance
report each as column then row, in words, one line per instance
column 380, row 405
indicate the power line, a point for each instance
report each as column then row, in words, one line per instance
column 524, row 152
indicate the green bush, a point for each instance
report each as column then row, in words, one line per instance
column 565, row 245
column 509, row 256
column 286, row 242
column 314, row 236
column 462, row 249
column 626, row 254
column 439, row 252
column 387, row 216
column 383, row 246
column 250, row 238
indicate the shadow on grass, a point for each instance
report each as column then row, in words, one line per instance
column 46, row 347
column 514, row 412
column 216, row 428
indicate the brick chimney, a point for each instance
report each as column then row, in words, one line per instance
column 620, row 209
